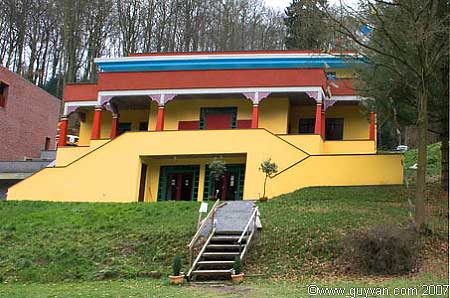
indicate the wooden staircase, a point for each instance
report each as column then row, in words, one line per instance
column 215, row 259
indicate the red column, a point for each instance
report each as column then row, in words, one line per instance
column 322, row 131
column 62, row 132
column 160, row 119
column 255, row 116
column 318, row 125
column 114, row 125
column 372, row 126
column 96, row 123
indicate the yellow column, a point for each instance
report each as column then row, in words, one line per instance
column 201, row 182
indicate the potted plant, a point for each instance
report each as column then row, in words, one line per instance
column 217, row 169
column 236, row 273
column 268, row 168
column 177, row 277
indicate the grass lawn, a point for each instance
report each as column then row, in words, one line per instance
column 119, row 250
column 257, row 288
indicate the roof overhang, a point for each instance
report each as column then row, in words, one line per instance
column 228, row 61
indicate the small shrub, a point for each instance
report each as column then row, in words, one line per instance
column 237, row 266
column 381, row 250
column 176, row 266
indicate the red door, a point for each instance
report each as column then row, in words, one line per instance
column 218, row 121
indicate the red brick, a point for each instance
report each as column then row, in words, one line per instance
column 30, row 115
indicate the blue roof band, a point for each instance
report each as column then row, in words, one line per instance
column 133, row 65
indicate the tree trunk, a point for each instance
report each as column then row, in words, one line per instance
column 264, row 190
column 422, row 124
column 444, row 153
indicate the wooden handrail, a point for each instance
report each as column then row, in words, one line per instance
column 197, row 234
column 248, row 225
column 200, row 253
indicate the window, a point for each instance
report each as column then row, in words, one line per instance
column 334, row 128
column 47, row 143
column 3, row 94
column 306, row 125
column 143, row 126
column 123, row 127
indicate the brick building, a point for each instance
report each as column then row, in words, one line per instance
column 28, row 118
column 28, row 124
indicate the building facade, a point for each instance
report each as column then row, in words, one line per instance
column 28, row 123
column 28, row 118
column 153, row 123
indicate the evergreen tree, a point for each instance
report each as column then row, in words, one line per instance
column 306, row 24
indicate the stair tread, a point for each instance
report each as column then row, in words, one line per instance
column 226, row 271
column 224, row 245
column 214, row 262
column 220, row 253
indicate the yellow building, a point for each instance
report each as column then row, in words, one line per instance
column 153, row 123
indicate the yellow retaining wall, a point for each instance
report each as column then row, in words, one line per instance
column 112, row 172
column 338, row 170
column 349, row 147
column 312, row 144
column 65, row 155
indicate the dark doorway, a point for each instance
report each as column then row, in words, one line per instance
column 334, row 129
column 178, row 183
column 179, row 187
column 142, row 183
column 229, row 187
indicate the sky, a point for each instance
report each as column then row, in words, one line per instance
column 281, row 4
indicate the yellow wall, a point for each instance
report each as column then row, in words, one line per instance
column 356, row 125
column 297, row 112
column 133, row 116
column 189, row 110
column 311, row 143
column 358, row 147
column 65, row 155
column 343, row 73
column 273, row 114
column 112, row 172
column 339, row 170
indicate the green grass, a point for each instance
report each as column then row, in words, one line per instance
column 67, row 247
column 303, row 231
column 48, row 242
column 257, row 288
column 433, row 159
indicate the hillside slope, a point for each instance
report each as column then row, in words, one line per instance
column 51, row 242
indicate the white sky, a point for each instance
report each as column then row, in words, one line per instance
column 281, row 4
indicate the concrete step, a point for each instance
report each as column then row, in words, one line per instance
column 212, row 272
column 220, row 255
column 215, row 262
column 224, row 247
column 227, row 238
column 228, row 232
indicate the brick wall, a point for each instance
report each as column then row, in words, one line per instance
column 30, row 115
